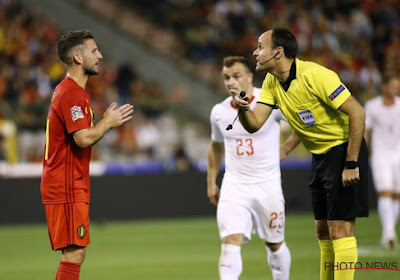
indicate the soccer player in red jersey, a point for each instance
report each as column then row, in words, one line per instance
column 70, row 134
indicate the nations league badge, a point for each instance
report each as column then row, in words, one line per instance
column 81, row 231
column 76, row 112
column 307, row 117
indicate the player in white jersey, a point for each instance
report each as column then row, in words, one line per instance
column 251, row 197
column 383, row 138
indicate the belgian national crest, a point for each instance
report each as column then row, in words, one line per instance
column 81, row 231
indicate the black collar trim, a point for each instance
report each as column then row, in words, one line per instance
column 292, row 76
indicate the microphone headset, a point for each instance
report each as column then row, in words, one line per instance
column 242, row 95
column 277, row 66
column 272, row 57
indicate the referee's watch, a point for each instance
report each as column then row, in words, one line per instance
column 351, row 164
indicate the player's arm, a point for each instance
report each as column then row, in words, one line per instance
column 291, row 142
column 252, row 120
column 367, row 137
column 112, row 117
column 215, row 157
column 356, row 114
column 369, row 125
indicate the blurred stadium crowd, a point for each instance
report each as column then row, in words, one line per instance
column 360, row 40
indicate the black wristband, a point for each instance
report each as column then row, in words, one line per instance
column 351, row 164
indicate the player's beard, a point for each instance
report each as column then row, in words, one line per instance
column 91, row 71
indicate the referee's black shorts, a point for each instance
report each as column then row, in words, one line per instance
column 330, row 199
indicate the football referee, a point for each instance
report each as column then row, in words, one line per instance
column 330, row 123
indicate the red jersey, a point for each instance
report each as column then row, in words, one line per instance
column 65, row 176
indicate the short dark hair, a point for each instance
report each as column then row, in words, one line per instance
column 388, row 77
column 282, row 37
column 70, row 40
column 230, row 60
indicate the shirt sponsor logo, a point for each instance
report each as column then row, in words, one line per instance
column 76, row 112
column 307, row 117
column 336, row 92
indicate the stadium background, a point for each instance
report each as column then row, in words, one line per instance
column 165, row 57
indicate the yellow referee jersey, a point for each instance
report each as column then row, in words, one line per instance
column 311, row 104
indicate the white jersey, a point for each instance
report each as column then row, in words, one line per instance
column 249, row 158
column 384, row 121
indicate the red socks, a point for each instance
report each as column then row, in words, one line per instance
column 68, row 271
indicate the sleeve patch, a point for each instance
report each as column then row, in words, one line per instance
column 76, row 112
column 336, row 93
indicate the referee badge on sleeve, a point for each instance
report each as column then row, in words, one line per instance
column 336, row 93
column 307, row 117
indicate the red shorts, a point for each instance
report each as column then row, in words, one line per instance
column 68, row 224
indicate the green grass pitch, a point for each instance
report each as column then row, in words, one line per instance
column 178, row 249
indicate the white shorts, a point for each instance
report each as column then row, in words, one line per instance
column 259, row 208
column 386, row 172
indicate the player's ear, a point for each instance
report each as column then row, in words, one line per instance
column 77, row 58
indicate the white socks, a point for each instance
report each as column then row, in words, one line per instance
column 396, row 210
column 385, row 210
column 279, row 262
column 230, row 262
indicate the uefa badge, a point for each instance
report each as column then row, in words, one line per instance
column 76, row 112
column 337, row 91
